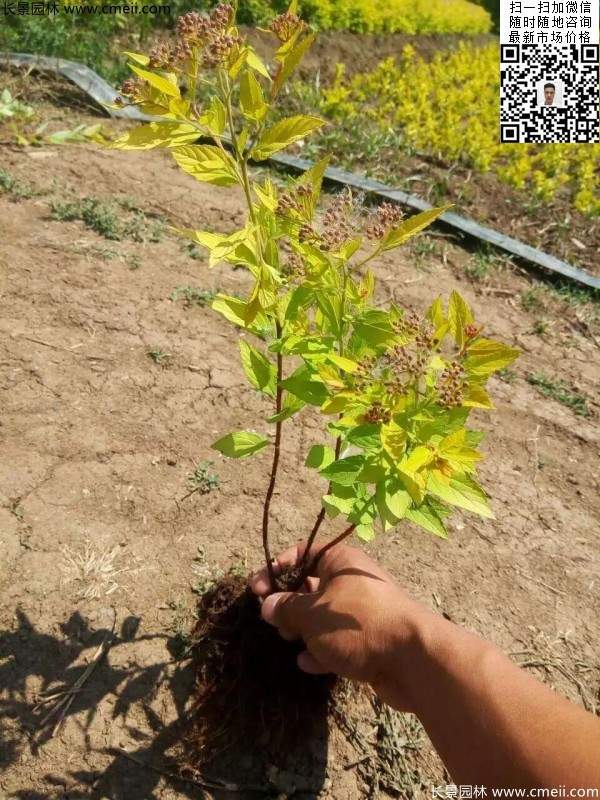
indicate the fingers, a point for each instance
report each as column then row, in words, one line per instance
column 290, row 613
column 308, row 663
column 260, row 584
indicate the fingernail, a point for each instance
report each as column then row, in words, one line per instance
column 269, row 606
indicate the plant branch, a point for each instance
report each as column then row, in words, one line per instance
column 274, row 467
column 338, row 443
column 312, row 567
column 321, row 514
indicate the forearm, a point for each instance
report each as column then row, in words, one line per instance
column 490, row 721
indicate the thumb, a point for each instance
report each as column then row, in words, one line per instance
column 288, row 612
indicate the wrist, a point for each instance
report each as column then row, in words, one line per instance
column 422, row 652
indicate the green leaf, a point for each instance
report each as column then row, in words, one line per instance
column 207, row 163
column 477, row 397
column 459, row 316
column 340, row 402
column 329, row 307
column 215, row 116
column 374, row 470
column 486, row 356
column 300, row 384
column 283, row 133
column 289, row 61
column 374, row 327
column 240, row 444
column 291, row 406
column 163, row 85
column 340, row 499
column 427, row 516
column 366, row 437
column 139, row 58
column 313, row 177
column 435, row 313
column 445, row 423
column 259, row 370
column 411, row 227
column 254, row 61
column 394, row 438
column 474, row 438
column 344, row 471
column 156, row 134
column 392, row 502
column 252, row 100
column 461, row 491
column 300, row 298
column 234, row 310
column 320, row 456
column 347, row 364
column 365, row 532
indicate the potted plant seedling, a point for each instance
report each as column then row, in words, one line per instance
column 394, row 387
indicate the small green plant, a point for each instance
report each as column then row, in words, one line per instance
column 95, row 214
column 541, row 327
column 159, row 356
column 531, row 299
column 133, row 261
column 11, row 107
column 507, row 375
column 481, row 264
column 202, row 479
column 561, row 392
column 194, row 252
column 193, row 295
column 105, row 219
column 15, row 188
column 394, row 387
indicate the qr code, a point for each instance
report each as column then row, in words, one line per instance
column 549, row 93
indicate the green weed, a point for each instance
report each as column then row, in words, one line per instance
column 18, row 190
column 193, row 295
column 159, row 356
column 531, row 299
column 96, row 215
column 507, row 375
column 105, row 219
column 540, row 327
column 481, row 264
column 202, row 479
column 561, row 392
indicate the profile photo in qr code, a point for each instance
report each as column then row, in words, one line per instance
column 550, row 92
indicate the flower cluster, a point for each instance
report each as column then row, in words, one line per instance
column 132, row 89
column 413, row 326
column 286, row 25
column 294, row 268
column 292, row 202
column 377, row 414
column 451, row 385
column 210, row 33
column 337, row 223
column 403, row 361
column 472, row 330
column 387, row 216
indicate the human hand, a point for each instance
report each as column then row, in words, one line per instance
column 353, row 618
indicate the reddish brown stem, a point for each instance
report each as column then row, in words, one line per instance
column 274, row 467
column 321, row 514
column 312, row 567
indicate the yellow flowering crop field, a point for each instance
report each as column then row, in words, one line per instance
column 448, row 107
column 398, row 16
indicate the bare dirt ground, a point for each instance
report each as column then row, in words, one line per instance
column 98, row 441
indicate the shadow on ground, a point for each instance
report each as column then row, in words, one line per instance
column 70, row 692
